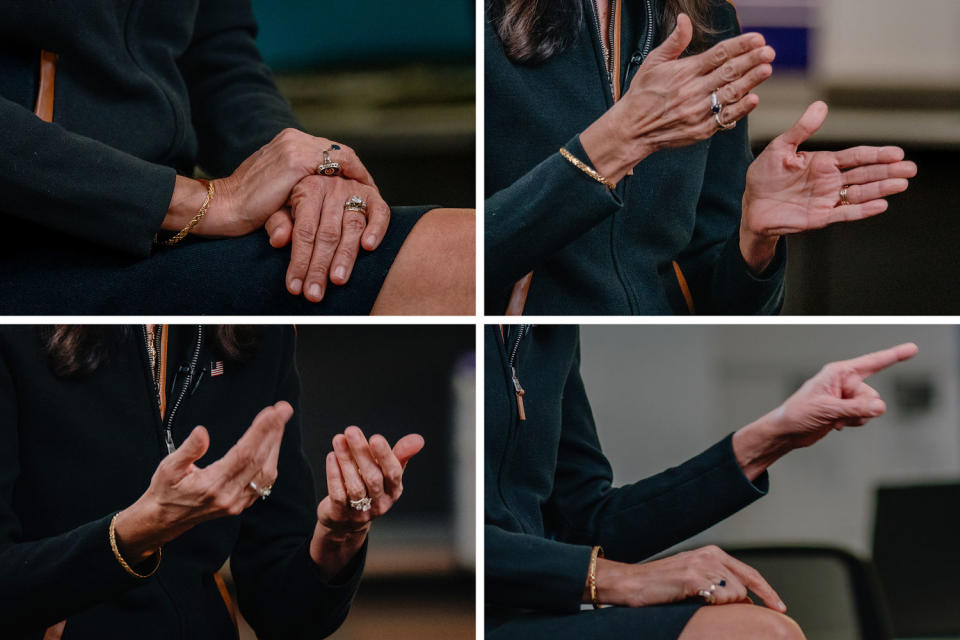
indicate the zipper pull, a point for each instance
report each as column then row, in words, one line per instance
column 168, row 436
column 520, row 393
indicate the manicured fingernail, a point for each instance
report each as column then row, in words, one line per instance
column 340, row 273
column 296, row 284
column 371, row 240
column 877, row 406
column 315, row 291
column 781, row 606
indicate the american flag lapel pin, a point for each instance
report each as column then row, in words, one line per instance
column 216, row 368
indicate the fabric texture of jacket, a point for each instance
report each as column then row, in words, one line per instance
column 548, row 490
column 143, row 89
column 75, row 451
column 597, row 251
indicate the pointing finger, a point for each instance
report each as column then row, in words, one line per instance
column 871, row 363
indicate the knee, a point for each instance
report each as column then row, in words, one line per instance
column 453, row 228
column 772, row 625
column 741, row 622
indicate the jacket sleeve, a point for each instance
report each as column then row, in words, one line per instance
column 45, row 581
column 538, row 215
column 235, row 105
column 280, row 590
column 78, row 186
column 719, row 279
column 636, row 521
column 525, row 571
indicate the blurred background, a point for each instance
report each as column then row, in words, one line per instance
column 393, row 380
column 858, row 533
column 890, row 71
column 395, row 81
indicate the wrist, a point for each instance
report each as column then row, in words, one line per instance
column 189, row 196
column 138, row 531
column 333, row 549
column 758, row 250
column 759, row 444
column 611, row 155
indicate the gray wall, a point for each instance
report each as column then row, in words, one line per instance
column 661, row 394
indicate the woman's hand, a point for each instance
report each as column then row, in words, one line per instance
column 357, row 469
column 834, row 398
column 181, row 495
column 680, row 577
column 260, row 186
column 669, row 102
column 789, row 191
column 326, row 239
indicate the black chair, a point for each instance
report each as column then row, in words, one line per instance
column 831, row 593
column 915, row 550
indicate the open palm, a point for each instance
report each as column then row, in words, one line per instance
column 789, row 191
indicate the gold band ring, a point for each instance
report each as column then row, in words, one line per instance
column 724, row 126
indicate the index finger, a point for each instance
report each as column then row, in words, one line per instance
column 264, row 433
column 378, row 218
column 871, row 363
column 726, row 50
column 752, row 579
column 860, row 156
column 306, row 207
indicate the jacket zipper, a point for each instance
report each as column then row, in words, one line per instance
column 638, row 57
column 511, row 360
column 168, row 423
column 608, row 51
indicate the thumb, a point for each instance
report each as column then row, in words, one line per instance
column 860, row 407
column 279, row 227
column 192, row 449
column 407, row 447
column 675, row 44
column 808, row 124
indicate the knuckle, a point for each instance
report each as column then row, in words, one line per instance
column 354, row 223
column 728, row 72
column 327, row 235
column 304, row 232
column 718, row 55
column 285, row 134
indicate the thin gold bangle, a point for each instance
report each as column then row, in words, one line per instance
column 119, row 557
column 194, row 222
column 575, row 161
column 597, row 552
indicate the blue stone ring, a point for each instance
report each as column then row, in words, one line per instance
column 329, row 167
column 715, row 106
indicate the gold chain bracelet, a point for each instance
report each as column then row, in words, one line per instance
column 597, row 552
column 119, row 556
column 575, row 161
column 194, row 222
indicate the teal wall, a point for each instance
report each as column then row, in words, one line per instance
column 304, row 34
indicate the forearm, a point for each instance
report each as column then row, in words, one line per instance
column 67, row 574
column 79, row 186
column 332, row 551
column 537, row 215
column 758, row 445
